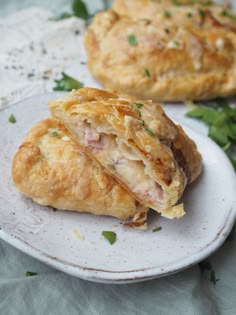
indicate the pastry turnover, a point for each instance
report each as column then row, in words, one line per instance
column 135, row 142
column 203, row 14
column 50, row 168
column 155, row 56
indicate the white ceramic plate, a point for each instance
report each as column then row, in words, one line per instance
column 136, row 255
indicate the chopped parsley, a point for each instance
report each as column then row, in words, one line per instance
column 202, row 12
column 167, row 31
column 168, row 14
column 54, row 134
column 157, row 229
column 30, row 274
column 177, row 43
column 67, row 83
column 205, row 265
column 139, row 105
column 132, row 40
column 12, row 119
column 221, row 120
column 138, row 113
column 189, row 14
column 79, row 9
column 146, row 73
column 110, row 236
column 149, row 132
column 228, row 15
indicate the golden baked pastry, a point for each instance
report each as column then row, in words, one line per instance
column 50, row 168
column 160, row 58
column 135, row 142
column 199, row 13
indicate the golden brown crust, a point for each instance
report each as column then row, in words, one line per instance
column 168, row 62
column 133, row 140
column 50, row 168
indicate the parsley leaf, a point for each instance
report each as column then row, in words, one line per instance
column 80, row 10
column 146, row 73
column 30, row 274
column 12, row 119
column 205, row 265
column 110, row 236
column 67, row 83
column 54, row 134
column 139, row 105
column 132, row 40
column 149, row 132
column 221, row 119
column 157, row 229
column 168, row 14
column 228, row 15
column 62, row 16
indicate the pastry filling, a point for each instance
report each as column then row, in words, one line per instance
column 122, row 161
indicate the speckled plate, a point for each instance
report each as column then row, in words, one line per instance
column 137, row 255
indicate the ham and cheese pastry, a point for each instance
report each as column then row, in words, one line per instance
column 161, row 59
column 135, row 142
column 50, row 168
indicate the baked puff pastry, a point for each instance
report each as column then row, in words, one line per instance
column 135, row 142
column 50, row 168
column 161, row 59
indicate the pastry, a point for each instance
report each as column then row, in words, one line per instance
column 50, row 168
column 160, row 58
column 135, row 142
column 199, row 13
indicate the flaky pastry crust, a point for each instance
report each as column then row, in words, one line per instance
column 135, row 142
column 161, row 58
column 50, row 168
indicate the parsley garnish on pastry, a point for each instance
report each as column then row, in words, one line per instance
column 179, row 50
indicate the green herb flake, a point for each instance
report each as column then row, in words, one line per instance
column 189, row 15
column 213, row 277
column 202, row 12
column 67, row 83
column 228, row 15
column 30, row 274
column 206, row 266
column 62, row 16
column 54, row 134
column 149, row 132
column 167, row 31
column 139, row 105
column 157, row 229
column 110, row 236
column 132, row 40
column 221, row 121
column 168, row 14
column 80, row 10
column 146, row 73
column 12, row 119
column 138, row 113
